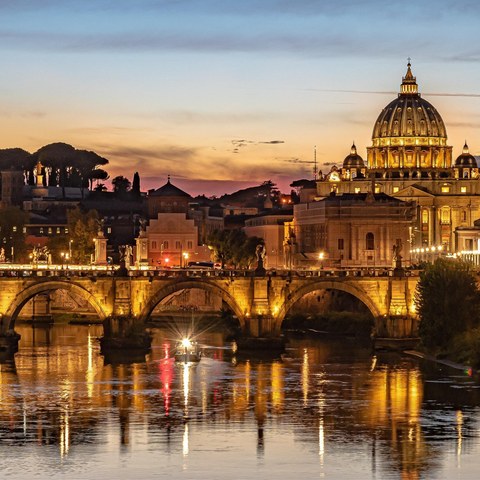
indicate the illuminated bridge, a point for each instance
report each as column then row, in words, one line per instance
column 259, row 302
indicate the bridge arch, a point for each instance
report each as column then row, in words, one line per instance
column 167, row 290
column 343, row 286
column 23, row 297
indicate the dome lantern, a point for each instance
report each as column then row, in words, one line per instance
column 409, row 82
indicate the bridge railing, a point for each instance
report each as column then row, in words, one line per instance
column 43, row 270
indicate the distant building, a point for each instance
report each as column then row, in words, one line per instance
column 350, row 230
column 176, row 233
column 271, row 227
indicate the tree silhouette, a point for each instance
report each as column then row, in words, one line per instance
column 121, row 185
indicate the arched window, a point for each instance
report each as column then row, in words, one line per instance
column 425, row 216
column 464, row 215
column 370, row 241
column 446, row 216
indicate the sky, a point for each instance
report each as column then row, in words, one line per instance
column 222, row 95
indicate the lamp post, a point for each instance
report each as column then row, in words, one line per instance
column 185, row 258
column 321, row 257
column 70, row 248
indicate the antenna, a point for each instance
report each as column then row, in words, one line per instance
column 315, row 171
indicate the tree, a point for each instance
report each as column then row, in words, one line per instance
column 58, row 244
column 82, row 229
column 448, row 302
column 233, row 247
column 121, row 185
column 136, row 185
column 12, row 237
column 67, row 166
column 13, row 158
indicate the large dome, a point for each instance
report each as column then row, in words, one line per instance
column 409, row 115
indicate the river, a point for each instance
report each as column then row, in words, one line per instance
column 328, row 408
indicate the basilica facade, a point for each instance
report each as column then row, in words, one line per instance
column 410, row 160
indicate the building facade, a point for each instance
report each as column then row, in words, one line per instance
column 410, row 159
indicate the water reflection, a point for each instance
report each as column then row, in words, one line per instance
column 325, row 407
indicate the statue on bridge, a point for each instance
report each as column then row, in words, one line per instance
column 260, row 252
column 396, row 256
column 100, row 228
column 126, row 252
column 40, row 254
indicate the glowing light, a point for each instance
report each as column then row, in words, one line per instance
column 305, row 372
column 321, row 256
column 186, row 343
column 185, row 441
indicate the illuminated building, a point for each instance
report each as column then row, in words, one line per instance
column 410, row 159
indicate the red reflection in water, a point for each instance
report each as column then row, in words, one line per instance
column 166, row 367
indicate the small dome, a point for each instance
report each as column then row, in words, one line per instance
column 353, row 160
column 466, row 159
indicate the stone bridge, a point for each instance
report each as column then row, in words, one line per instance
column 260, row 303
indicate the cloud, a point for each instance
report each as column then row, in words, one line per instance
column 297, row 160
column 273, row 142
column 319, row 45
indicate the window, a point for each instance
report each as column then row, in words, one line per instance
column 445, row 216
column 445, row 189
column 464, row 215
column 154, row 244
column 189, row 245
column 14, row 229
column 58, row 229
column 41, row 229
column 369, row 240
column 340, row 243
column 425, row 216
column 178, row 245
column 49, row 230
column 465, row 174
column 24, row 229
column 66, row 231
column 377, row 189
column 165, row 244
column 109, row 230
column 357, row 190
column 396, row 189
column 463, row 189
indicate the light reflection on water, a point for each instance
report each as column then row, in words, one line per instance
column 326, row 409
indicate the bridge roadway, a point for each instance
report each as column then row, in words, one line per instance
column 259, row 302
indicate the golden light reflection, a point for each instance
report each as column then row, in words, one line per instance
column 305, row 372
column 64, row 434
column 459, row 420
column 186, row 384
column 278, row 393
column 90, row 377
column 185, row 440
column 321, row 442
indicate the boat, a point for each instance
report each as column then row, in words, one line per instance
column 187, row 351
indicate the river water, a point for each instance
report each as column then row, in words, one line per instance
column 326, row 409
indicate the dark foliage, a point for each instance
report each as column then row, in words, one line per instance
column 448, row 301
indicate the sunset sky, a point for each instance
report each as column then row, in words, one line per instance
column 222, row 95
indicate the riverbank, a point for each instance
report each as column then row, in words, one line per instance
column 448, row 363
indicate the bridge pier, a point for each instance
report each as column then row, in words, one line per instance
column 125, row 332
column 9, row 341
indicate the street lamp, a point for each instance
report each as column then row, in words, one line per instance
column 70, row 248
column 321, row 257
column 185, row 258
